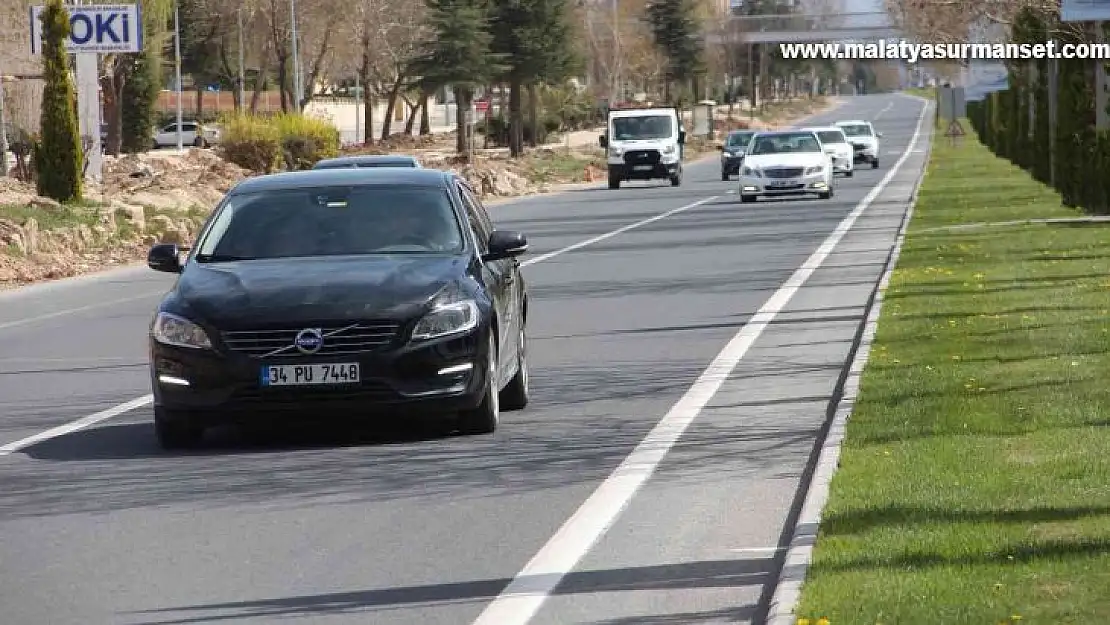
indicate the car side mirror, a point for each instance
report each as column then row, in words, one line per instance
column 879, row 135
column 681, row 137
column 603, row 141
column 164, row 257
column 505, row 244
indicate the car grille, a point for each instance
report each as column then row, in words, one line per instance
column 641, row 157
column 338, row 340
column 783, row 172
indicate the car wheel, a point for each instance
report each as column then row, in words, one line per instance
column 484, row 418
column 614, row 183
column 849, row 173
column 515, row 395
column 676, row 180
column 724, row 175
column 175, row 431
column 875, row 164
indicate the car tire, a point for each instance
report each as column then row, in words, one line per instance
column 875, row 164
column 515, row 395
column 484, row 418
column 175, row 431
column 614, row 183
column 849, row 173
column 827, row 195
column 747, row 198
column 676, row 179
column 724, row 176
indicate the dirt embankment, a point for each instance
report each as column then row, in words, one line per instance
column 166, row 196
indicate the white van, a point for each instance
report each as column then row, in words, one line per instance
column 644, row 144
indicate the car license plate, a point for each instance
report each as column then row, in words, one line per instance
column 782, row 183
column 310, row 374
column 643, row 167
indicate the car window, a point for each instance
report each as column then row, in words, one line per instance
column 170, row 128
column 740, row 139
column 831, row 136
column 332, row 221
column 856, row 130
column 643, row 127
column 476, row 215
column 188, row 127
column 792, row 143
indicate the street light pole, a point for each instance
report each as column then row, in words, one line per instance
column 177, row 67
column 298, row 88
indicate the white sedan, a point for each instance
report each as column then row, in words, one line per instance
column 837, row 147
column 785, row 163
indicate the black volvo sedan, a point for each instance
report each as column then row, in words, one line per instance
column 371, row 291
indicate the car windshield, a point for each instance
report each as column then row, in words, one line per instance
column 831, row 136
column 332, row 221
column 739, row 139
column 792, row 143
column 856, row 130
column 643, row 127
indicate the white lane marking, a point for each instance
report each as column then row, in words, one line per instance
column 70, row 311
column 608, row 235
column 885, row 109
column 134, row 404
column 79, row 424
column 528, row 590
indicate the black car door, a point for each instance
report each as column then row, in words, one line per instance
column 499, row 279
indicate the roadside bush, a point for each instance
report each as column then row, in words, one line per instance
column 497, row 129
column 58, row 154
column 251, row 142
column 305, row 140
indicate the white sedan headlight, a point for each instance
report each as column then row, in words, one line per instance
column 447, row 319
column 180, row 332
column 814, row 170
column 668, row 149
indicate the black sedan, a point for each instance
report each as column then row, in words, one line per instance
column 367, row 291
column 368, row 160
column 732, row 151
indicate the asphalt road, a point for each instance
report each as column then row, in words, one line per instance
column 97, row 526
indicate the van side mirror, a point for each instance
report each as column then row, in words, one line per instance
column 879, row 135
column 603, row 141
column 681, row 137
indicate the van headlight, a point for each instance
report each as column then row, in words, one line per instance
column 669, row 149
column 615, row 152
column 179, row 332
column 447, row 319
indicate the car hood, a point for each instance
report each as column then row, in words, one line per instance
column 763, row 161
column 247, row 294
column 868, row 141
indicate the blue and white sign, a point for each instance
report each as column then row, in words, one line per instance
column 96, row 29
column 1084, row 10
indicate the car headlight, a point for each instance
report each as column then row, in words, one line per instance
column 447, row 319
column 615, row 152
column 749, row 171
column 180, row 332
column 814, row 170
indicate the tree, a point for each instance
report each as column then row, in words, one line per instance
column 458, row 55
column 58, row 156
column 956, row 21
column 138, row 99
column 117, row 69
column 677, row 34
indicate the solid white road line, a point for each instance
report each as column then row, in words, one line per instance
column 522, row 598
column 79, row 424
column 139, row 402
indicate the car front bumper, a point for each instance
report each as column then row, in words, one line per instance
column 212, row 386
column 842, row 164
column 863, row 154
column 773, row 187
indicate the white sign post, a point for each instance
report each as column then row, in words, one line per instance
column 94, row 30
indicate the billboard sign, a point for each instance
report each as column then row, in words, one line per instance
column 96, row 29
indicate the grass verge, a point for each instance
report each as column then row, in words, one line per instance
column 974, row 481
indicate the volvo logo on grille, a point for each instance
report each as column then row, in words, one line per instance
column 309, row 340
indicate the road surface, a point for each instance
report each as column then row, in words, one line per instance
column 641, row 303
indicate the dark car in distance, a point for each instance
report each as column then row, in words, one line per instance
column 732, row 152
column 368, row 160
column 370, row 292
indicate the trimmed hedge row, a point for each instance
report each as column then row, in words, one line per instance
column 288, row 141
column 1014, row 123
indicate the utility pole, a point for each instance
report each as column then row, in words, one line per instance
column 177, row 67
column 242, row 77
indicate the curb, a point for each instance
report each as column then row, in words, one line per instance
column 799, row 554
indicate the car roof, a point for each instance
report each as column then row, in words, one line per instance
column 358, row 159
column 824, row 129
column 399, row 176
column 772, row 133
column 846, row 122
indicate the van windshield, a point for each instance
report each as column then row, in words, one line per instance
column 643, row 127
